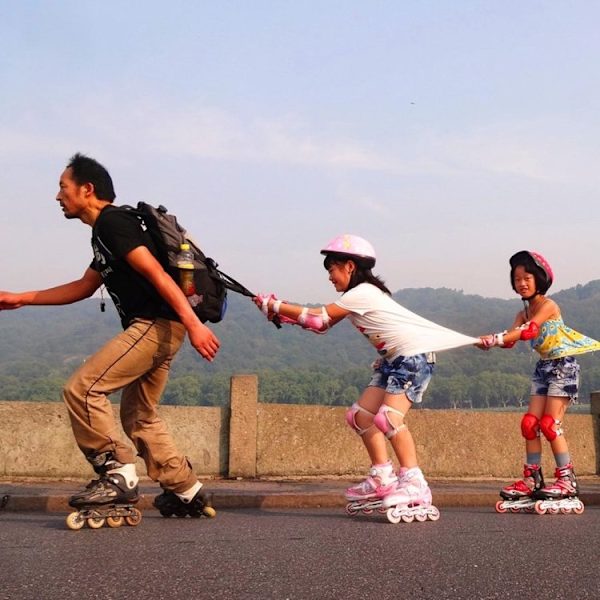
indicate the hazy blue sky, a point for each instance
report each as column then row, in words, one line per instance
column 450, row 134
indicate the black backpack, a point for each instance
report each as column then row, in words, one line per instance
column 210, row 301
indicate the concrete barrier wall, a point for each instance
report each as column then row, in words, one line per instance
column 301, row 440
column 249, row 439
column 36, row 440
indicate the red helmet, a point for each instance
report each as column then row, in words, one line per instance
column 539, row 268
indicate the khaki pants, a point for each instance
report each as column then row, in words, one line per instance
column 136, row 361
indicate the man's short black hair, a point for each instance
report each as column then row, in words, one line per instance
column 87, row 170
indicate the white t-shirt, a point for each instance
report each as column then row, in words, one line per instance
column 394, row 330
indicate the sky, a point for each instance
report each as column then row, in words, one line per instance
column 450, row 134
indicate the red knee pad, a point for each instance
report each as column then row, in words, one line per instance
column 547, row 427
column 530, row 426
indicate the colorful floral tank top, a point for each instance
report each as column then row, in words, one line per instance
column 556, row 340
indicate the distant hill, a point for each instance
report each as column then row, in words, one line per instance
column 41, row 346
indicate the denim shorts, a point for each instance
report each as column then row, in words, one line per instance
column 556, row 377
column 408, row 375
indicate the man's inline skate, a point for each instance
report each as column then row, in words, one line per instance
column 367, row 496
column 169, row 503
column 522, row 494
column 109, row 499
column 411, row 500
column 561, row 496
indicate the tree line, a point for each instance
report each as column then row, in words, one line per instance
column 41, row 346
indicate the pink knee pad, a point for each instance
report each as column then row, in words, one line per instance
column 383, row 423
column 530, row 425
column 547, row 423
column 351, row 417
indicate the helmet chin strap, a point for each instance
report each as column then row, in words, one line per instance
column 527, row 302
column 530, row 297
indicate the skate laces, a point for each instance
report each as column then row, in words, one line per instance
column 413, row 486
column 564, row 472
column 367, row 486
column 412, row 492
column 96, row 482
column 563, row 482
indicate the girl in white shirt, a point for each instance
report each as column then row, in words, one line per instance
column 405, row 343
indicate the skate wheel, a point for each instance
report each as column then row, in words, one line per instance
column 554, row 510
column 135, row 518
column 209, row 511
column 515, row 509
column 434, row 515
column 421, row 517
column 114, row 522
column 408, row 518
column 392, row 516
column 74, row 521
column 351, row 511
column 539, row 509
column 95, row 522
column 500, row 508
column 367, row 511
column 578, row 510
column 565, row 511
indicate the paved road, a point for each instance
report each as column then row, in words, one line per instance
column 303, row 554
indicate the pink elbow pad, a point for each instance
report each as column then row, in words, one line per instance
column 316, row 323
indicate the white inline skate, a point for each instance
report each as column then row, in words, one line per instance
column 521, row 496
column 411, row 500
column 561, row 496
column 368, row 495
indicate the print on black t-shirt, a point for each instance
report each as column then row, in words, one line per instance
column 114, row 235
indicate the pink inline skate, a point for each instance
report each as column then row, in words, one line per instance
column 411, row 500
column 367, row 496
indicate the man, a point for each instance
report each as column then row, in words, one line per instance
column 155, row 315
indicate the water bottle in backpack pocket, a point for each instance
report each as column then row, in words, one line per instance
column 196, row 274
column 185, row 264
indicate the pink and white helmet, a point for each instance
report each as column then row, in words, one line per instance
column 352, row 246
column 545, row 276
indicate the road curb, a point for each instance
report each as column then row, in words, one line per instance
column 264, row 495
column 58, row 504
column 24, row 503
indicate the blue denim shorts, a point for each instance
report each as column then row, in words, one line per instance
column 408, row 375
column 556, row 377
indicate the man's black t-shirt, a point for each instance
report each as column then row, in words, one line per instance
column 117, row 232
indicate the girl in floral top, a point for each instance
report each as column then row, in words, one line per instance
column 555, row 382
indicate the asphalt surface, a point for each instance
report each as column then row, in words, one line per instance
column 52, row 496
column 296, row 554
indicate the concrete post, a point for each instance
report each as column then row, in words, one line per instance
column 243, row 425
column 595, row 411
